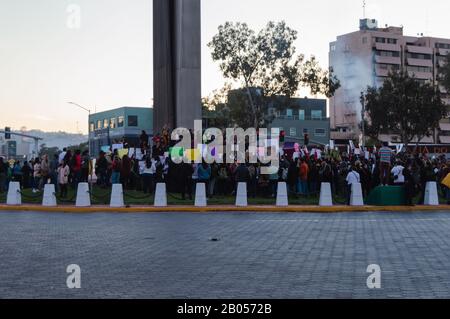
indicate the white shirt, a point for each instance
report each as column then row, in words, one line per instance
column 61, row 157
column 398, row 171
column 353, row 178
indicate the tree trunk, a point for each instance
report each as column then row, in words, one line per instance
column 252, row 105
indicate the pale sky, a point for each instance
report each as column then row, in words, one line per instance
column 107, row 62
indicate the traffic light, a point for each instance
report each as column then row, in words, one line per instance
column 282, row 136
column 7, row 133
column 306, row 138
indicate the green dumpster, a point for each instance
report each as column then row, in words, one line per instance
column 387, row 196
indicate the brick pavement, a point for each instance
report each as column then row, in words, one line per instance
column 257, row 255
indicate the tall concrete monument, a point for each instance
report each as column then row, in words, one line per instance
column 177, row 63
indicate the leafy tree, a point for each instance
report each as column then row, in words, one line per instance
column 403, row 106
column 266, row 65
column 82, row 147
column 444, row 73
column 49, row 151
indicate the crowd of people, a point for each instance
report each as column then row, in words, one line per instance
column 303, row 174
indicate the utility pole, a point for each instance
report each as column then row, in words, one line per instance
column 363, row 115
column 35, row 138
column 89, row 111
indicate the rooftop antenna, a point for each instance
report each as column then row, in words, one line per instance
column 364, row 9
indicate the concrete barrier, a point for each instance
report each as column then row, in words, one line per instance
column 83, row 195
column 431, row 194
column 241, row 195
column 49, row 198
column 326, row 199
column 356, row 198
column 117, row 196
column 160, row 195
column 200, row 195
column 282, row 195
column 14, row 197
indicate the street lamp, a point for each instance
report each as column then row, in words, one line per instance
column 89, row 133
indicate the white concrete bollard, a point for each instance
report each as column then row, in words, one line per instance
column 83, row 195
column 356, row 198
column 200, row 195
column 117, row 196
column 326, row 199
column 14, row 197
column 49, row 198
column 431, row 194
column 160, row 195
column 282, row 195
column 241, row 195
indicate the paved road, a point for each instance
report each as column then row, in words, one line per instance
column 257, row 255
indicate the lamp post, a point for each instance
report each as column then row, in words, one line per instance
column 89, row 133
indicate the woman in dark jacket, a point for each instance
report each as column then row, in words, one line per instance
column 292, row 176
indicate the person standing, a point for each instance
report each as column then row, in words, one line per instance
column 26, row 175
column 303, row 177
column 186, row 171
column 147, row 177
column 397, row 173
column 45, row 169
column 116, row 167
column 101, row 169
column 85, row 165
column 204, row 175
column 409, row 185
column 353, row 177
column 3, row 173
column 63, row 178
column 37, row 176
column 54, row 165
column 385, row 154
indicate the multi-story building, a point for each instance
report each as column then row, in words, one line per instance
column 124, row 124
column 303, row 116
column 365, row 58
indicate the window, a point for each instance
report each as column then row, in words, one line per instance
column 91, row 127
column 388, row 53
column 289, row 113
column 364, row 40
column 393, row 67
column 105, row 123
column 293, row 131
column 333, row 47
column 120, row 121
column 316, row 115
column 418, row 56
column 305, row 131
column 320, row 132
column 380, row 40
column 443, row 45
column 99, row 125
column 419, row 69
column 301, row 115
column 113, row 123
column 132, row 120
column 392, row 41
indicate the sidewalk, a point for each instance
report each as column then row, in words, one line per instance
column 224, row 208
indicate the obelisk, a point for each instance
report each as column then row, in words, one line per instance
column 177, row 63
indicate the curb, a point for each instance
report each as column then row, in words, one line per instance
column 222, row 209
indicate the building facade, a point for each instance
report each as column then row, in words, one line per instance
column 119, row 125
column 303, row 116
column 365, row 58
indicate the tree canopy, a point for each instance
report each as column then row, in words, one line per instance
column 403, row 106
column 266, row 65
